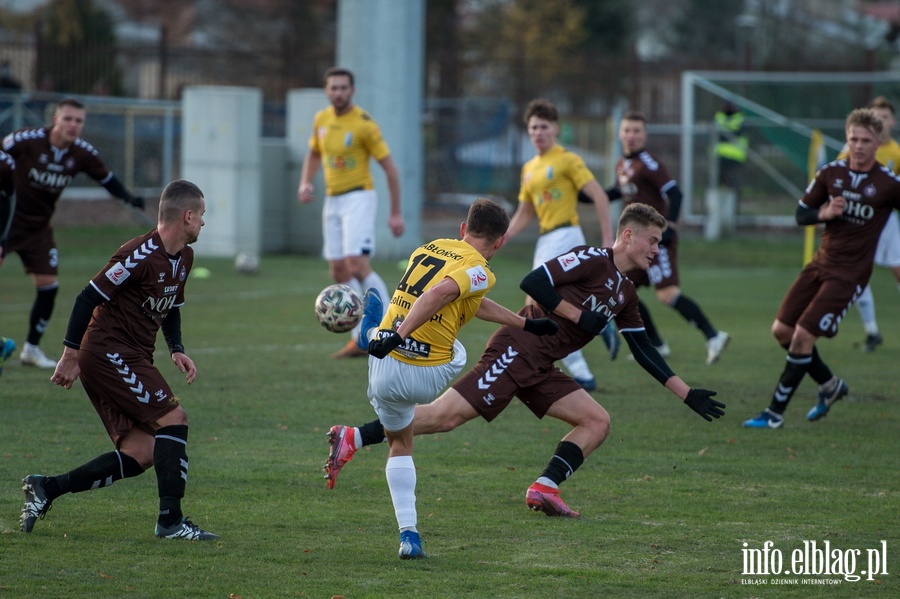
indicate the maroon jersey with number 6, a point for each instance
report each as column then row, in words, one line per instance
column 142, row 283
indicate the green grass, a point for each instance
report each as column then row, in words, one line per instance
column 666, row 502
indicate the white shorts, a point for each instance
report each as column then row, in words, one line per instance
column 348, row 224
column 888, row 252
column 556, row 243
column 396, row 387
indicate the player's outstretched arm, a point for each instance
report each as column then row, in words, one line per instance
column 701, row 401
column 116, row 188
column 644, row 352
column 491, row 311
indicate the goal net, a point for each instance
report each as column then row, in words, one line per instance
column 784, row 113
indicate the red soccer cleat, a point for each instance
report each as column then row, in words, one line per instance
column 542, row 498
column 341, row 439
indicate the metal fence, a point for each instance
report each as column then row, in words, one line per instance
column 472, row 146
column 140, row 140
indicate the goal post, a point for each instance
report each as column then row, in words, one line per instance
column 784, row 111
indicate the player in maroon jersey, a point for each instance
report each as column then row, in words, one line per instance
column 110, row 342
column 641, row 177
column 7, row 197
column 582, row 290
column 854, row 198
column 47, row 159
column 7, row 206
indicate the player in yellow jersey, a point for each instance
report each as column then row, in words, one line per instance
column 344, row 138
column 888, row 252
column 550, row 184
column 413, row 346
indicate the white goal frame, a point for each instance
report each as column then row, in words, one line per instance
column 709, row 81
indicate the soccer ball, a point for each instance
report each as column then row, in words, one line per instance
column 339, row 308
column 246, row 263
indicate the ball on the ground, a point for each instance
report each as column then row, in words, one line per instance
column 339, row 308
column 246, row 263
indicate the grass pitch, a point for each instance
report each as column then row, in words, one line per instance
column 667, row 503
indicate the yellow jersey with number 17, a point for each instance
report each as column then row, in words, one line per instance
column 432, row 343
column 345, row 144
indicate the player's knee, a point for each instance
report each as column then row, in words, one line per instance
column 668, row 295
column 596, row 421
column 600, row 424
column 177, row 417
column 340, row 273
column 359, row 267
column 782, row 332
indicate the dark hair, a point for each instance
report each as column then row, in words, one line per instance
column 178, row 196
column 882, row 102
column 865, row 117
column 337, row 72
column 487, row 220
column 641, row 215
column 71, row 102
column 634, row 115
column 542, row 109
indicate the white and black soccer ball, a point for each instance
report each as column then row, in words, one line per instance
column 246, row 263
column 339, row 308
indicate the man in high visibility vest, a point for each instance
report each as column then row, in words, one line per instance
column 731, row 148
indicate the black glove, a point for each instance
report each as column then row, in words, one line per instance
column 136, row 201
column 386, row 341
column 541, row 326
column 591, row 322
column 667, row 236
column 700, row 400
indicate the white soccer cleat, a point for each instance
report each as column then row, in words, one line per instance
column 32, row 355
column 715, row 346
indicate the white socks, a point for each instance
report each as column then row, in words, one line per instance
column 401, row 478
column 866, row 306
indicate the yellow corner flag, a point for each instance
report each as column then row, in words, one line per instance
column 815, row 159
